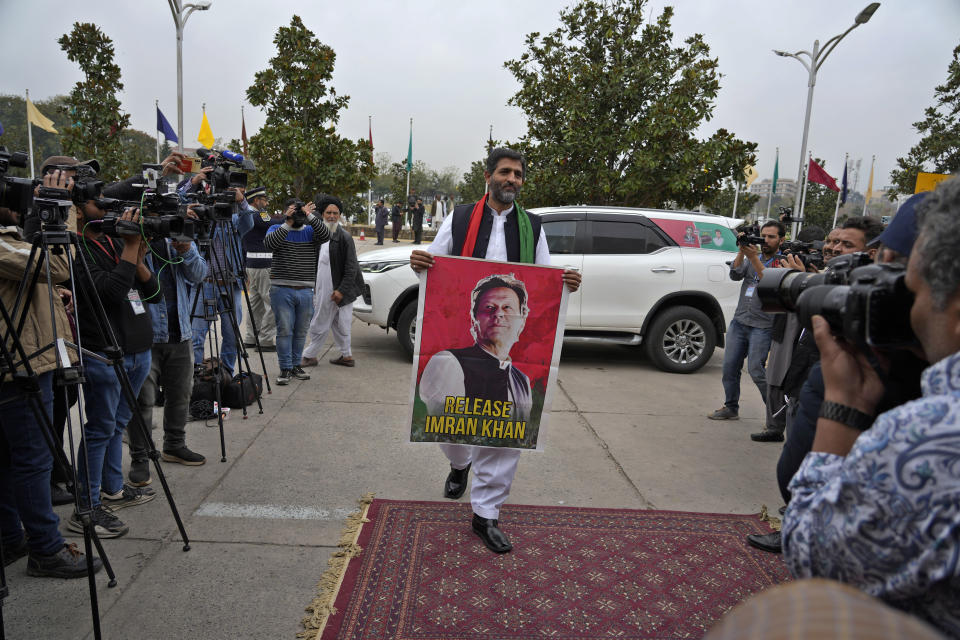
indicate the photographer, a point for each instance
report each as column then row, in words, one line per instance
column 179, row 267
column 748, row 336
column 225, row 278
column 25, row 458
column 296, row 252
column 122, row 282
column 875, row 503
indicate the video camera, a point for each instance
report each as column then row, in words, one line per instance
column 299, row 215
column 15, row 193
column 163, row 214
column 786, row 215
column 809, row 253
column 229, row 173
column 868, row 304
column 749, row 233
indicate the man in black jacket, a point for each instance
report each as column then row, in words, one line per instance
column 382, row 213
column 339, row 282
column 396, row 217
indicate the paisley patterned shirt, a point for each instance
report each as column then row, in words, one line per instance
column 886, row 518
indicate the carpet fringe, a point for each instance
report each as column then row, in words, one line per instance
column 321, row 608
column 773, row 521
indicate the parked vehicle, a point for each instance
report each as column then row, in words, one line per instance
column 651, row 277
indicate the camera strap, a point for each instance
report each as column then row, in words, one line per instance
column 112, row 253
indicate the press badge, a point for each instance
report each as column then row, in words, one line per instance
column 135, row 302
column 750, row 290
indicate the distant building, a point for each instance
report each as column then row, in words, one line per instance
column 786, row 188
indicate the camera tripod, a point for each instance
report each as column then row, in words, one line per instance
column 54, row 238
column 222, row 279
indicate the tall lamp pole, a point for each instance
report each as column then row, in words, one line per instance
column 812, row 65
column 180, row 13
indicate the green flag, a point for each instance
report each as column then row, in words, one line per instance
column 410, row 149
column 776, row 173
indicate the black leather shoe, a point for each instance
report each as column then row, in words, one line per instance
column 491, row 535
column 456, row 482
column 59, row 495
column 767, row 435
column 766, row 542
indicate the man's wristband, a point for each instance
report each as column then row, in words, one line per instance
column 848, row 416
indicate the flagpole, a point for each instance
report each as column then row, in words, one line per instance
column 156, row 104
column 29, row 133
column 798, row 220
column 409, row 159
column 736, row 194
column 370, row 183
column 773, row 185
column 836, row 211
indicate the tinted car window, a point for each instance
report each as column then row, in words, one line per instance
column 623, row 238
column 560, row 235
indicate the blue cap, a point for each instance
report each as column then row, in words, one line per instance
column 901, row 233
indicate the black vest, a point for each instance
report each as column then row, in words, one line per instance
column 511, row 229
column 483, row 377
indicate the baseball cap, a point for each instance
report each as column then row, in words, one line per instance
column 901, row 233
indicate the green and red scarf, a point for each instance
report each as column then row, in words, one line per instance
column 527, row 253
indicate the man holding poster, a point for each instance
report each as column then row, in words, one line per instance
column 493, row 229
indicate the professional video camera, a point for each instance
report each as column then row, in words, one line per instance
column 229, row 173
column 786, row 215
column 299, row 215
column 868, row 304
column 15, row 193
column 809, row 253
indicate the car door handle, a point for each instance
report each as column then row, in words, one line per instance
column 663, row 270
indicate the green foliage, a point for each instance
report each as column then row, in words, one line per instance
column 13, row 115
column 298, row 152
column 612, row 110
column 939, row 149
column 96, row 126
column 473, row 184
column 722, row 204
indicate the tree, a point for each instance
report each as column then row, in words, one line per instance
column 723, row 202
column 612, row 109
column 939, row 148
column 473, row 184
column 298, row 152
column 382, row 182
column 95, row 126
column 421, row 180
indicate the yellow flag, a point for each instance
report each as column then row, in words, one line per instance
column 869, row 187
column 750, row 174
column 37, row 119
column 205, row 137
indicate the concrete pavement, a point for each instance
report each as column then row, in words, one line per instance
column 263, row 524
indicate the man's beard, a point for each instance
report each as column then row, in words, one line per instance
column 767, row 250
column 502, row 195
column 331, row 226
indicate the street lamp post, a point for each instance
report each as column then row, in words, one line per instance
column 816, row 59
column 180, row 13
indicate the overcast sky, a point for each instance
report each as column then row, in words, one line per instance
column 441, row 63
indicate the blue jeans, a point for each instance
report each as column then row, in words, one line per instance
column 293, row 309
column 108, row 413
column 25, row 465
column 228, row 345
column 754, row 345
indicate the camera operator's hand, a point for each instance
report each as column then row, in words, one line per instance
column 66, row 296
column 420, row 260
column 201, row 176
column 749, row 251
column 288, row 212
column 792, row 261
column 130, row 215
column 191, row 213
column 848, row 378
column 56, row 180
column 171, row 164
column 309, row 208
column 238, row 194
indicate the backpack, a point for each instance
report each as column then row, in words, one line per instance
column 207, row 377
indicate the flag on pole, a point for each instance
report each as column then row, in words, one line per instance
column 370, row 125
column 776, row 173
column 750, row 174
column 869, row 188
column 410, row 149
column 37, row 119
column 815, row 173
column 205, row 137
column 843, row 183
column 163, row 126
column 1, row 128
column 243, row 131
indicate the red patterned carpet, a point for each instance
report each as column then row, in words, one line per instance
column 574, row 573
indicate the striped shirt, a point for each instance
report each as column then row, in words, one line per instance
column 295, row 252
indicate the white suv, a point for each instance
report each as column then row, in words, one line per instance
column 650, row 276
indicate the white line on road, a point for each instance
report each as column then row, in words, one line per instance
column 269, row 511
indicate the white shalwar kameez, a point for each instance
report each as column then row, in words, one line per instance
column 327, row 315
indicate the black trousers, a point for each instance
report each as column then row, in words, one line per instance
column 417, row 233
column 397, row 223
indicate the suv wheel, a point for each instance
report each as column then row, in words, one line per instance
column 407, row 328
column 680, row 339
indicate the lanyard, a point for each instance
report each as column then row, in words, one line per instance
column 112, row 253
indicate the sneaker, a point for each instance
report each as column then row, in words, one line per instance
column 139, row 475
column 767, row 435
column 105, row 523
column 299, row 373
column 724, row 413
column 284, row 377
column 128, row 497
column 69, row 562
column 59, row 495
column 183, row 455
column 13, row 552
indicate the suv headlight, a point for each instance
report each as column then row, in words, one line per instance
column 380, row 267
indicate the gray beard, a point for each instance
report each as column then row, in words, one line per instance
column 331, row 226
column 506, row 197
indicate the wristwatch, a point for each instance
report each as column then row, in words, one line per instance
column 848, row 416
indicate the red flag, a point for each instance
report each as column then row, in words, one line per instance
column 243, row 132
column 815, row 173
